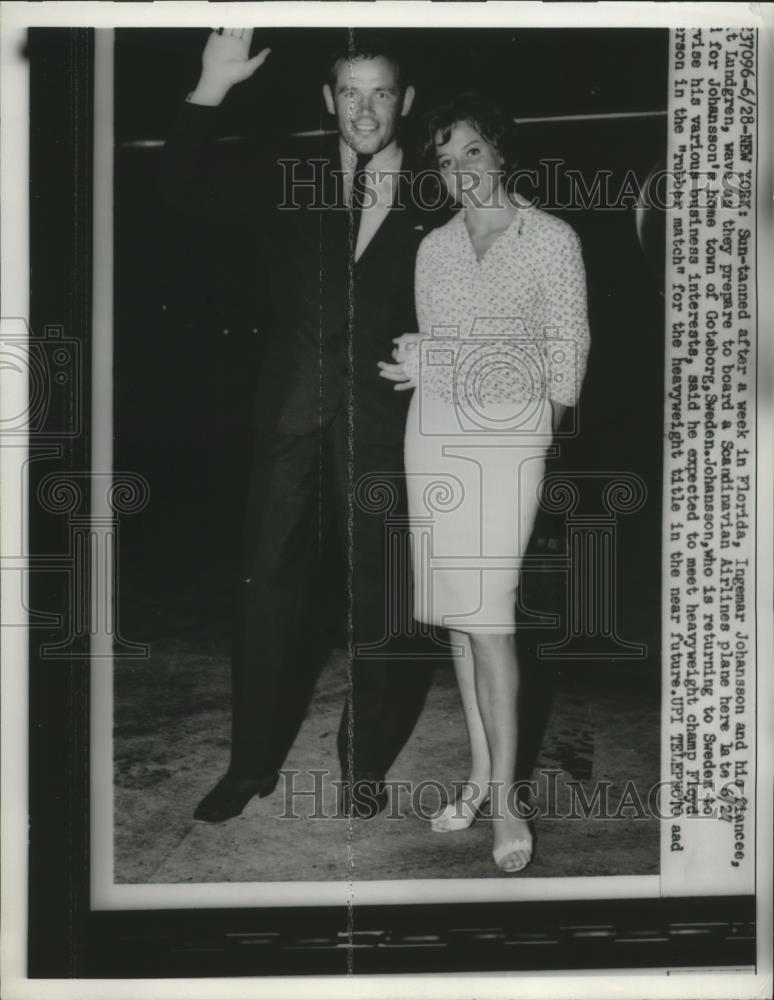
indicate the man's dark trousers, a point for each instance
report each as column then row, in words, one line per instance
column 298, row 481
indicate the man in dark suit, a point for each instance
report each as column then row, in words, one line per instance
column 338, row 236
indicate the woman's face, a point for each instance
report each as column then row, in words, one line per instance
column 470, row 166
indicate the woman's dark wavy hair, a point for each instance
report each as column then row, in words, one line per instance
column 486, row 117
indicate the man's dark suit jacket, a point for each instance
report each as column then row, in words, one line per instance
column 329, row 320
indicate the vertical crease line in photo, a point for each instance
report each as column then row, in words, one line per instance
column 350, row 485
column 319, row 646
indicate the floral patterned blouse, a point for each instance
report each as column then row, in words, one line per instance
column 511, row 325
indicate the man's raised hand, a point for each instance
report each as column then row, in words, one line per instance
column 225, row 62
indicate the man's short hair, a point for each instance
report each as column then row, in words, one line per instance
column 360, row 43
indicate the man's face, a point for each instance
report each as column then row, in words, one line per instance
column 368, row 103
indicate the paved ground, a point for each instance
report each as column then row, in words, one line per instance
column 172, row 721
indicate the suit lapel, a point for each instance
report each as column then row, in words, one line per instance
column 400, row 213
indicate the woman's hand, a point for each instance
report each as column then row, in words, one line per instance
column 397, row 373
column 405, row 371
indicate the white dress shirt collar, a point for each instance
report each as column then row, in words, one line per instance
column 381, row 176
column 387, row 160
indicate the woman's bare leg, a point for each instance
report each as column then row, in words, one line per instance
column 497, row 689
column 476, row 788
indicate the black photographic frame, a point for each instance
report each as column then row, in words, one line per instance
column 67, row 939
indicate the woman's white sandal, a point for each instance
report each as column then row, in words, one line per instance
column 510, row 847
column 456, row 816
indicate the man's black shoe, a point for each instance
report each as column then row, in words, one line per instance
column 229, row 797
column 364, row 798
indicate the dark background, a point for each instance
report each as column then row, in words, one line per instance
column 188, row 333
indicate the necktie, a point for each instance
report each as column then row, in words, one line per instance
column 357, row 197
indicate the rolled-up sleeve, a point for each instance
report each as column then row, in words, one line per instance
column 565, row 318
column 422, row 284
